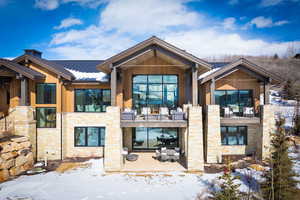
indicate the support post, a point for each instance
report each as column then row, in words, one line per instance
column 212, row 91
column 267, row 93
column 113, row 84
column 24, row 91
column 195, row 85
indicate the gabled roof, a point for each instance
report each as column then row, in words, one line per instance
column 29, row 73
column 152, row 42
column 51, row 66
column 243, row 64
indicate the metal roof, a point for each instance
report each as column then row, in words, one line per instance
column 79, row 65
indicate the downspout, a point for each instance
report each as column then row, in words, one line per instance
column 61, row 120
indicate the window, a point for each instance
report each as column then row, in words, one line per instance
column 89, row 136
column 234, row 135
column 46, row 117
column 235, row 99
column 92, row 100
column 155, row 91
column 46, row 93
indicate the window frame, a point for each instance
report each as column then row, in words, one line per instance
column 101, row 102
column 238, row 131
column 36, row 93
column 163, row 83
column 36, row 116
column 86, row 136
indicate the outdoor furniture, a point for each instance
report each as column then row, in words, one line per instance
column 138, row 142
column 248, row 111
column 124, row 153
column 168, row 154
column 128, row 114
column 132, row 157
column 164, row 112
column 177, row 114
column 227, row 112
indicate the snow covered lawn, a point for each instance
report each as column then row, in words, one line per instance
column 92, row 183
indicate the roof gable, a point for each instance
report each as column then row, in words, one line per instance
column 51, row 66
column 27, row 72
column 241, row 64
column 154, row 44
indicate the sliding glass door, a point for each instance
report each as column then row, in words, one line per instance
column 236, row 100
column 155, row 91
column 153, row 138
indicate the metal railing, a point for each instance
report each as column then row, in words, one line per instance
column 134, row 116
column 225, row 113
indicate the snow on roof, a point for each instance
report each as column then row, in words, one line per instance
column 89, row 76
column 209, row 73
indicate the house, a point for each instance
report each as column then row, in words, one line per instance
column 150, row 95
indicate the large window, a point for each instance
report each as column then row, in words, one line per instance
column 234, row 99
column 89, row 136
column 46, row 117
column 92, row 100
column 153, row 138
column 155, row 91
column 46, row 93
column 234, row 135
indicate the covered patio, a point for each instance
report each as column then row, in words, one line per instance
column 146, row 162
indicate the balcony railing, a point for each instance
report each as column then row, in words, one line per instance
column 164, row 114
column 246, row 112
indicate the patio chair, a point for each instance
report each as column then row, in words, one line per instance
column 164, row 112
column 227, row 112
column 157, row 154
column 163, row 156
column 128, row 114
column 248, row 112
column 177, row 114
column 146, row 111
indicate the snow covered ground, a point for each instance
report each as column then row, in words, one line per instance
column 92, row 183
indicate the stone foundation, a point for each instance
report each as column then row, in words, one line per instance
column 16, row 156
column 195, row 153
column 213, row 134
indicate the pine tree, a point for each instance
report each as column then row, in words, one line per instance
column 229, row 189
column 275, row 57
column 280, row 183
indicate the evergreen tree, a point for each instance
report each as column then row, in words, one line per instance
column 275, row 57
column 280, row 183
column 229, row 190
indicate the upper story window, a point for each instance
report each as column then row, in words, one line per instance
column 236, row 100
column 234, row 135
column 45, row 93
column 155, row 91
column 92, row 100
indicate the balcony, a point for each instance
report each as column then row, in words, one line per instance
column 149, row 118
column 246, row 115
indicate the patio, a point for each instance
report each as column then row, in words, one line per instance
column 146, row 162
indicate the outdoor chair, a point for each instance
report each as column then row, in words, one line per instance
column 164, row 112
column 146, row 111
column 128, row 114
column 248, row 112
column 177, row 114
column 227, row 112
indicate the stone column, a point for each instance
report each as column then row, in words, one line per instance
column 113, row 160
column 268, row 126
column 213, row 134
column 25, row 125
column 195, row 157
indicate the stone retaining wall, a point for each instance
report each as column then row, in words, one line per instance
column 16, row 156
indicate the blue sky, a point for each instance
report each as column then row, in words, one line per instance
column 97, row 29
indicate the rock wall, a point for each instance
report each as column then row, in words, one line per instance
column 16, row 156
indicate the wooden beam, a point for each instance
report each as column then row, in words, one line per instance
column 187, row 87
column 195, row 85
column 212, row 91
column 113, row 85
column 24, row 91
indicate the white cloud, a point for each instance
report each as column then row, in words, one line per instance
column 233, row 2
column 229, row 23
column 263, row 22
column 146, row 16
column 268, row 3
column 68, row 22
column 47, row 4
column 53, row 4
column 124, row 23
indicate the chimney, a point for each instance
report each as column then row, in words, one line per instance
column 33, row 52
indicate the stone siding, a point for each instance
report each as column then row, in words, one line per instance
column 213, row 134
column 16, row 156
column 195, row 153
column 113, row 160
